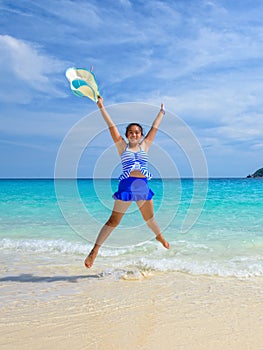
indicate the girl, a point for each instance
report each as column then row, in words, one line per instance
column 133, row 185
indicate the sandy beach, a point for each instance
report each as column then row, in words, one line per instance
column 149, row 311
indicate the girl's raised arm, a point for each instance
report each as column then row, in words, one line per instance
column 152, row 132
column 116, row 136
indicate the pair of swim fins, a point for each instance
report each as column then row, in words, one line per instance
column 83, row 83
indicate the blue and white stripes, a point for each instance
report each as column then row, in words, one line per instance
column 134, row 161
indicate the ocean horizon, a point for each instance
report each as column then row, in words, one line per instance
column 214, row 226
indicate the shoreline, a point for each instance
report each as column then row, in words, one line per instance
column 153, row 311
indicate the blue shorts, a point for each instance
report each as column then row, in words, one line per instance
column 133, row 189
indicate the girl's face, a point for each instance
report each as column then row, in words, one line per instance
column 134, row 134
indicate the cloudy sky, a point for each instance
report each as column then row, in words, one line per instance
column 203, row 59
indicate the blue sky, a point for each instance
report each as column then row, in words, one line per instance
column 203, row 59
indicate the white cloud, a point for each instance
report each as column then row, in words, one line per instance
column 25, row 68
column 24, row 145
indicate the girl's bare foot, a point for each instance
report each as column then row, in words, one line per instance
column 161, row 239
column 91, row 258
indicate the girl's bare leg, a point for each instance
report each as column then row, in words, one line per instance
column 146, row 208
column 118, row 211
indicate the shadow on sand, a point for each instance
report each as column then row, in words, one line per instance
column 29, row 278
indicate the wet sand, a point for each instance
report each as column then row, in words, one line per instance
column 148, row 311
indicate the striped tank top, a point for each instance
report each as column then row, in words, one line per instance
column 134, row 161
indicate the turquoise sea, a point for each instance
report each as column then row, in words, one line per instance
column 215, row 226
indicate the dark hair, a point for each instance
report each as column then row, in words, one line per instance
column 131, row 124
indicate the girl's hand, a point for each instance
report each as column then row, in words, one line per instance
column 162, row 109
column 100, row 103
